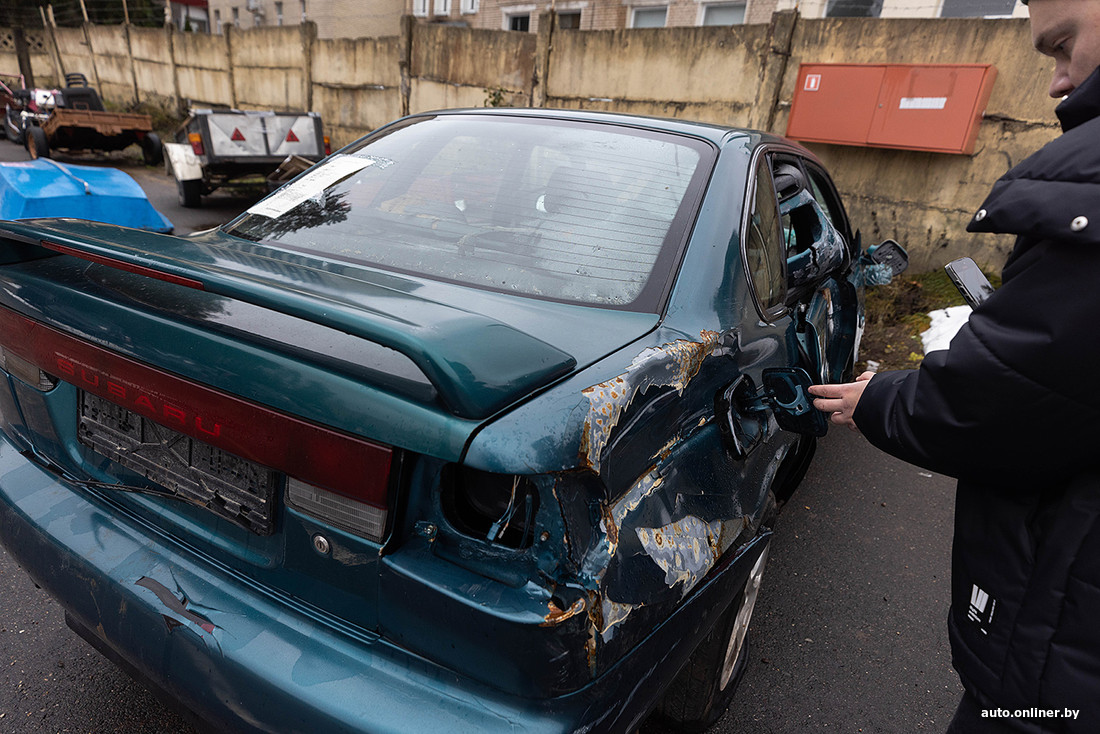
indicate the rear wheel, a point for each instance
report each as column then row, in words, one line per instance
column 152, row 150
column 190, row 193
column 705, row 686
column 37, row 145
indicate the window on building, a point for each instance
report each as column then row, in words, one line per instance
column 303, row 2
column 854, row 9
column 976, row 8
column 236, row 17
column 569, row 21
column 469, row 6
column 649, row 17
column 217, row 21
column 723, row 14
column 420, row 8
column 278, row 13
column 442, row 7
column 519, row 22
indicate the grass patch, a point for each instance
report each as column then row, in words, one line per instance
column 897, row 313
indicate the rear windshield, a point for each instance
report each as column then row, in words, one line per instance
column 578, row 212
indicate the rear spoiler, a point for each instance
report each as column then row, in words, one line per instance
column 477, row 364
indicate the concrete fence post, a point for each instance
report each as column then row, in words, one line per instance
column 177, row 98
column 544, row 46
column 230, row 31
column 52, row 47
column 86, row 27
column 773, row 69
column 404, row 59
column 309, row 37
column 23, row 53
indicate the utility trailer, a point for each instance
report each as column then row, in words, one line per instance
column 79, row 130
column 73, row 119
column 218, row 148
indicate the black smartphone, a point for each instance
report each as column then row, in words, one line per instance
column 970, row 280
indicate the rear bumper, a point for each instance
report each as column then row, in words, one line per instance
column 243, row 658
column 237, row 657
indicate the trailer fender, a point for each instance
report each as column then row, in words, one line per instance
column 182, row 162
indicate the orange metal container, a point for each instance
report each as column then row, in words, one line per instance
column 929, row 107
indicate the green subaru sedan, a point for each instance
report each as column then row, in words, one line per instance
column 483, row 423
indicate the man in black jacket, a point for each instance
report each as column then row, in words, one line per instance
column 1011, row 410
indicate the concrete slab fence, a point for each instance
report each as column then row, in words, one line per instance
column 740, row 75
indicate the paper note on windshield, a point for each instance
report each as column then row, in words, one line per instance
column 312, row 184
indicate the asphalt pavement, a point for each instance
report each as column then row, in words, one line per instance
column 849, row 633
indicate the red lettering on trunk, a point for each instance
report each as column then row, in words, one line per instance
column 171, row 411
column 215, row 431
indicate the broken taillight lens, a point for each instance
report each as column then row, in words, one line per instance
column 499, row 508
column 196, row 143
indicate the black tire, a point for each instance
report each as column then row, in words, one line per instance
column 703, row 689
column 190, row 193
column 152, row 150
column 37, row 144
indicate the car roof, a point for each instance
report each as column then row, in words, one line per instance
column 717, row 134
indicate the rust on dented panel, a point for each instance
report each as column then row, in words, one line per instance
column 556, row 615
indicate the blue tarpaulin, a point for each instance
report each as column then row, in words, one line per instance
column 45, row 188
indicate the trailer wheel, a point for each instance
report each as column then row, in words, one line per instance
column 37, row 144
column 152, row 150
column 190, row 193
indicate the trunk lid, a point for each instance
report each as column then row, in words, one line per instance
column 256, row 384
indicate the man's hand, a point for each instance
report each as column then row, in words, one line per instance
column 840, row 401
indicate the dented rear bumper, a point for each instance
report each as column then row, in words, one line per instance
column 241, row 657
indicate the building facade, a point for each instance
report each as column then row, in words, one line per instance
column 378, row 18
column 334, row 18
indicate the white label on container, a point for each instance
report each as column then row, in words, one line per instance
column 922, row 103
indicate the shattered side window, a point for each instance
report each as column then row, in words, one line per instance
column 571, row 211
column 764, row 252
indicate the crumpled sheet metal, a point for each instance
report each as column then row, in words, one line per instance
column 669, row 365
column 598, row 559
column 685, row 550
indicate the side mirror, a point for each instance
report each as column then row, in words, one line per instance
column 787, row 392
column 890, row 255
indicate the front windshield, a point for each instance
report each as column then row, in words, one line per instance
column 589, row 213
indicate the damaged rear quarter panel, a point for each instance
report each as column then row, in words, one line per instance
column 670, row 500
column 667, row 501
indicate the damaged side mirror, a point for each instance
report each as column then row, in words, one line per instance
column 883, row 262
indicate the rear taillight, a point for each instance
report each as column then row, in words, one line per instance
column 18, row 367
column 347, row 513
column 334, row 476
column 196, row 143
column 499, row 508
column 328, row 146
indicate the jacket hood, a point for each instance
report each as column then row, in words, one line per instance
column 1054, row 193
